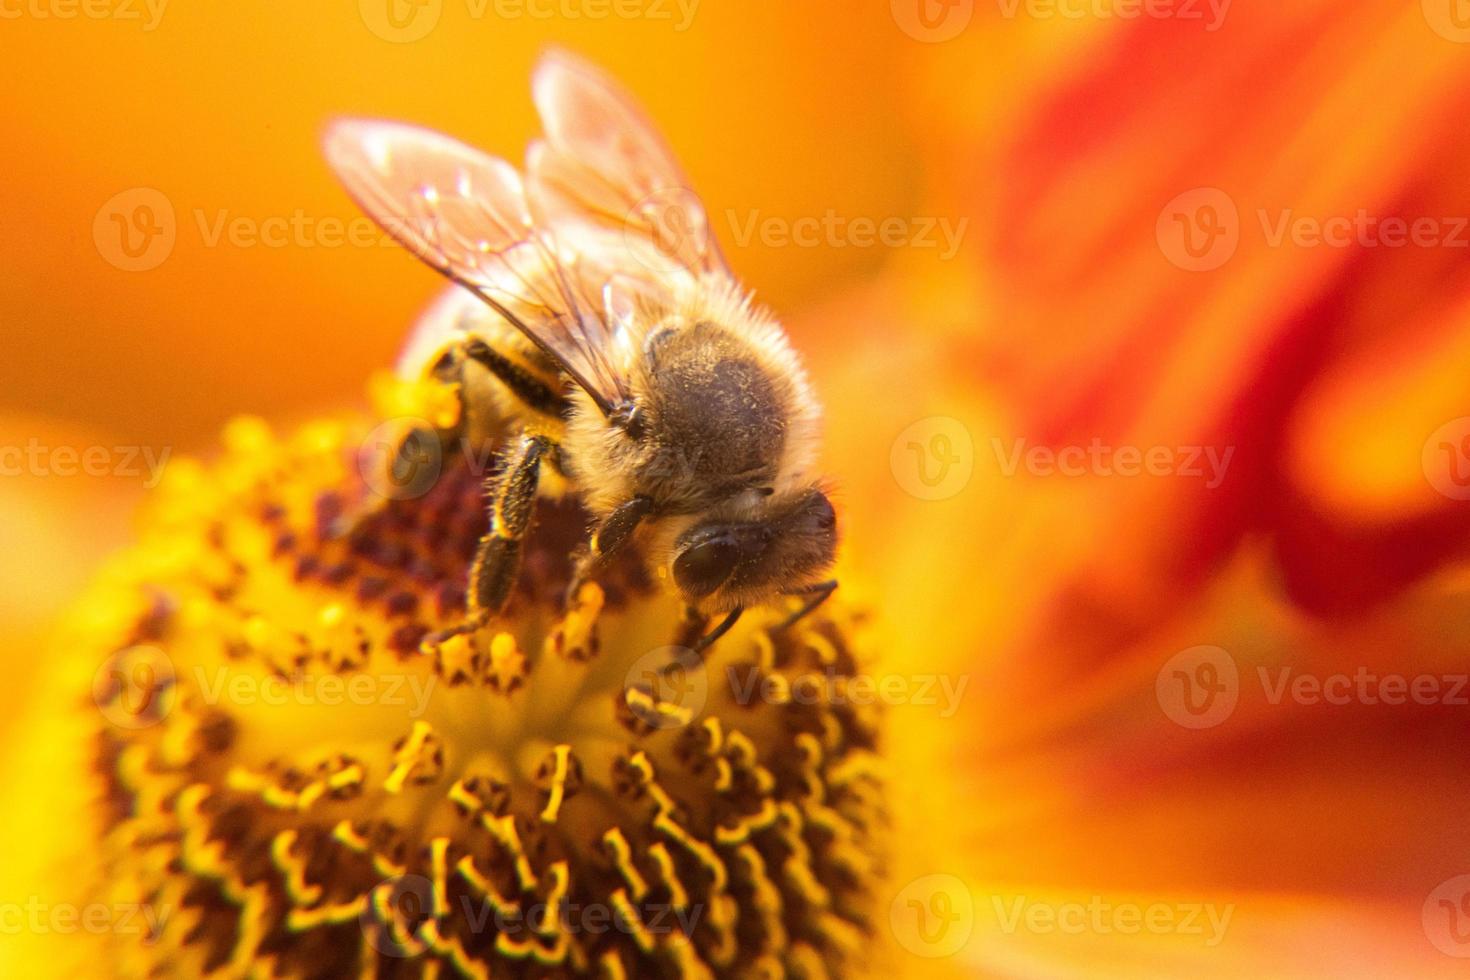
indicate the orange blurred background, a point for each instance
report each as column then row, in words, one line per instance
column 1132, row 190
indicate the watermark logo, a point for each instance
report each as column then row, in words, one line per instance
column 672, row 219
column 932, row 21
column 136, row 229
column 1446, row 917
column 1199, row 230
column 933, row 916
column 667, row 687
column 394, row 911
column 1446, row 459
column 1198, row 687
column 1450, row 19
column 135, row 687
column 401, row 459
column 400, row 21
column 934, row 458
column 1201, row 687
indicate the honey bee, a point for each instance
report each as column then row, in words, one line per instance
column 635, row 364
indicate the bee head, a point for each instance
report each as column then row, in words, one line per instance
column 728, row 563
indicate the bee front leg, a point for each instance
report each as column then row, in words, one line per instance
column 819, row 594
column 614, row 532
column 691, row 633
column 498, row 560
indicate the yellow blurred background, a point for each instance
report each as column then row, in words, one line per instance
column 1067, row 146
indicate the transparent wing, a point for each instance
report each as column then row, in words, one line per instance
column 603, row 162
column 466, row 214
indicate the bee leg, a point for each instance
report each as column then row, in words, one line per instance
column 610, row 536
column 706, row 641
column 691, row 633
column 531, row 390
column 420, row 444
column 819, row 594
column 619, row 527
column 498, row 560
column 494, row 571
column 534, row 393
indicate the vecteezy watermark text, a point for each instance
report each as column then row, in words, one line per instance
column 35, row 458
column 1102, row 917
column 1201, row 229
column 36, row 917
column 833, row 230
column 1363, row 686
column 1363, row 229
column 406, row 21
column 936, row 21
column 411, row 691
column 146, row 12
column 403, row 458
column 1098, row 458
column 943, row 691
column 1201, row 687
column 1211, row 13
column 408, row 896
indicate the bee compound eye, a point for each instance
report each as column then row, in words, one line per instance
column 702, row 567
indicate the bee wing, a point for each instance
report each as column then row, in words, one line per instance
column 602, row 161
column 465, row 213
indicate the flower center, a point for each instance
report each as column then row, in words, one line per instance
column 308, row 780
